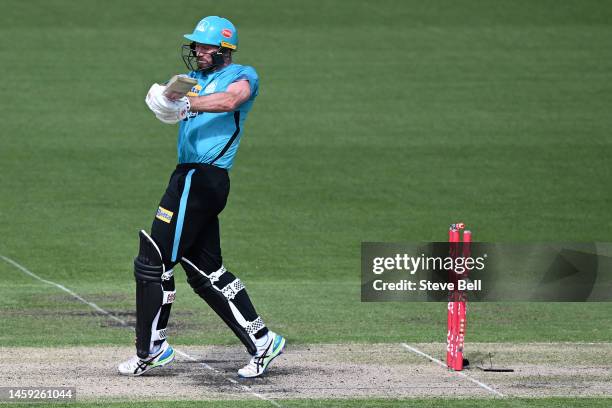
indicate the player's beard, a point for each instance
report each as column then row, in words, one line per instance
column 205, row 63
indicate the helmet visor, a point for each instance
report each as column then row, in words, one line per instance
column 190, row 58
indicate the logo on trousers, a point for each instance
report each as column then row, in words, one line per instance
column 164, row 215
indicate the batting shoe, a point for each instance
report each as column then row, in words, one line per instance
column 272, row 348
column 136, row 366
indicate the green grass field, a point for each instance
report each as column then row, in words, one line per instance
column 376, row 121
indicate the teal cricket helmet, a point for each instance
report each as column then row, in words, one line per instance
column 215, row 30
column 212, row 30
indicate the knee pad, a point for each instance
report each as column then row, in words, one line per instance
column 154, row 288
column 219, row 289
column 148, row 265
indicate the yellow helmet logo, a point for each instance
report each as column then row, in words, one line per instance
column 228, row 45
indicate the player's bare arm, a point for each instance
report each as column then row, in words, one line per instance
column 237, row 94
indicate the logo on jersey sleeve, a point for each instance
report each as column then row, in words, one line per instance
column 211, row 88
column 195, row 91
column 164, row 215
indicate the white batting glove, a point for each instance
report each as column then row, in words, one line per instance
column 166, row 110
column 175, row 111
column 155, row 98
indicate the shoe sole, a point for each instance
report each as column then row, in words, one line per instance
column 281, row 351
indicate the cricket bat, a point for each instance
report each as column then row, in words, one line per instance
column 178, row 86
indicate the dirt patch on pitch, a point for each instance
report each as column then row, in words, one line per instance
column 318, row 371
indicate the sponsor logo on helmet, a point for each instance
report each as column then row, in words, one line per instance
column 202, row 25
column 226, row 33
column 228, row 45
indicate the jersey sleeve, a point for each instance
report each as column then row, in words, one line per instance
column 250, row 75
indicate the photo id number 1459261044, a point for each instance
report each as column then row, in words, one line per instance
column 37, row 393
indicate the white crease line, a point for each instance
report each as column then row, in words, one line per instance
column 125, row 324
column 65, row 289
column 460, row 373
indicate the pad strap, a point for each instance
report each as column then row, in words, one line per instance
column 159, row 335
column 167, row 275
column 214, row 277
column 231, row 290
column 254, row 326
column 169, row 296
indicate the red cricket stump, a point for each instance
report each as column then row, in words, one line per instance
column 451, row 331
column 456, row 315
column 460, row 335
column 449, row 335
column 453, row 239
column 462, row 307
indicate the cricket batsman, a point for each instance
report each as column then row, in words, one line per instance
column 185, row 229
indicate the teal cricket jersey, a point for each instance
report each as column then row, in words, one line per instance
column 203, row 136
